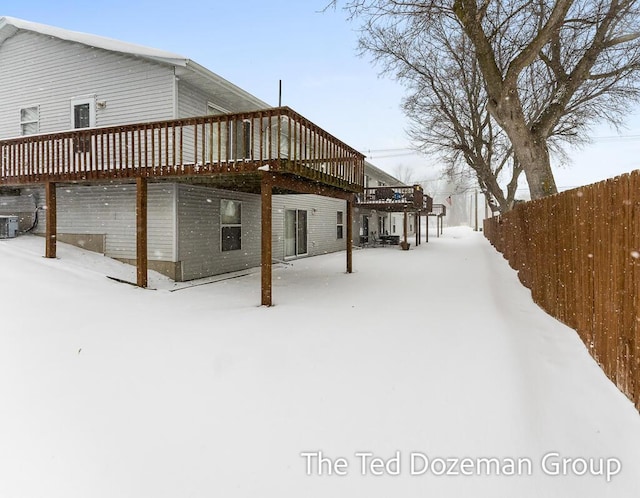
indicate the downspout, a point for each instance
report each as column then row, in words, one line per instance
column 175, row 93
column 176, row 192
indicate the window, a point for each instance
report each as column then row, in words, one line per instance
column 340, row 225
column 245, row 144
column 238, row 139
column 29, row 120
column 230, row 225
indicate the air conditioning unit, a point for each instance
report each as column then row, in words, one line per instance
column 8, row 227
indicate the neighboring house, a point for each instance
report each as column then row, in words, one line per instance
column 131, row 148
column 381, row 209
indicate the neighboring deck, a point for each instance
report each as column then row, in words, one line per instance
column 396, row 199
column 228, row 150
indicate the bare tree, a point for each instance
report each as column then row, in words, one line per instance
column 549, row 69
column 447, row 106
column 404, row 174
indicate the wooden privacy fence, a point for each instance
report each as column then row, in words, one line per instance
column 579, row 253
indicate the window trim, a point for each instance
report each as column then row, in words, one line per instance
column 215, row 107
column 339, row 225
column 27, row 122
column 230, row 225
column 76, row 101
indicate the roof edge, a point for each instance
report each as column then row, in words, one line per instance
column 197, row 68
column 10, row 25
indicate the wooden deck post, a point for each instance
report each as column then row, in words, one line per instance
column 405, row 227
column 426, row 227
column 416, row 219
column 141, row 231
column 51, row 234
column 350, row 235
column 266, row 191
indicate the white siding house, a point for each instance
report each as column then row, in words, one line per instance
column 370, row 223
column 53, row 80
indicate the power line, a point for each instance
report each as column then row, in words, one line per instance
column 606, row 138
column 613, row 138
column 393, row 155
column 385, row 150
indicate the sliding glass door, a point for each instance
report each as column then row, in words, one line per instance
column 295, row 232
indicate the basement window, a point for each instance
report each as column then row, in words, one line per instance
column 230, row 225
column 340, row 225
column 29, row 120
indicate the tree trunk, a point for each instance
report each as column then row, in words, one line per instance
column 533, row 155
column 529, row 149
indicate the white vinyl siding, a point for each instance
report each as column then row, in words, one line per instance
column 397, row 220
column 23, row 206
column 110, row 210
column 51, row 72
column 199, row 232
column 321, row 223
column 191, row 101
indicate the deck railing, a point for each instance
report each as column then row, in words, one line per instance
column 439, row 210
column 399, row 198
column 231, row 143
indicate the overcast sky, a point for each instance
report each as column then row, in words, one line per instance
column 256, row 43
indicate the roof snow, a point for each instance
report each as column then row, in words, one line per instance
column 190, row 70
column 90, row 40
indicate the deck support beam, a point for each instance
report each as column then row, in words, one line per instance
column 350, row 235
column 266, row 194
column 141, row 231
column 416, row 220
column 426, row 228
column 405, row 226
column 51, row 234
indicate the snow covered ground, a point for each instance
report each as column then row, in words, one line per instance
column 433, row 354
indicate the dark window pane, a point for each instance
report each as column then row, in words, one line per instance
column 231, row 238
column 81, row 119
column 81, row 116
column 302, row 232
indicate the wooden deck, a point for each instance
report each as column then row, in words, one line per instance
column 268, row 151
column 396, row 199
column 218, row 146
column 439, row 211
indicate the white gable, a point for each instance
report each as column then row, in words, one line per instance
column 9, row 25
column 186, row 69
